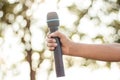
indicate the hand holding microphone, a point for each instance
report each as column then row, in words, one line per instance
column 65, row 41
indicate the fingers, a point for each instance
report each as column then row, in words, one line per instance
column 51, row 43
column 51, row 48
column 51, row 40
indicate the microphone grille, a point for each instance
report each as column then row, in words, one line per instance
column 52, row 19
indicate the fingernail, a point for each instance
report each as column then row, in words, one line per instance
column 56, row 44
column 54, row 40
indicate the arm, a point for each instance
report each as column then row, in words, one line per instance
column 105, row 52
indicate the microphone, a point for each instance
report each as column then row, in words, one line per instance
column 53, row 24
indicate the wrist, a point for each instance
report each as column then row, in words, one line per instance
column 70, row 49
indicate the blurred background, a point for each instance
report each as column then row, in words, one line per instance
column 23, row 29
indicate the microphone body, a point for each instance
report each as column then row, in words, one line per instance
column 53, row 24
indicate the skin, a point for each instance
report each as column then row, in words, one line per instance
column 103, row 52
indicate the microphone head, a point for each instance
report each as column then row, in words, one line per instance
column 52, row 19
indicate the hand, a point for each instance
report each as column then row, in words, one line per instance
column 51, row 42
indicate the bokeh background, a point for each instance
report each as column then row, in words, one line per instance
column 23, row 29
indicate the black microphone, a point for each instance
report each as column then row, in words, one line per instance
column 53, row 24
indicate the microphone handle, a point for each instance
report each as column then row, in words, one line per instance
column 58, row 59
column 58, row 55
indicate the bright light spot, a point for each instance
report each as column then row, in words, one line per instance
column 1, row 40
column 23, row 23
column 35, row 56
column 47, row 54
column 1, row 14
column 107, row 19
column 113, row 16
column 76, row 72
column 12, row 47
column 119, row 32
column 12, row 1
column 19, row 19
column 42, row 72
column 83, row 4
column 115, row 66
column 27, row 37
column 97, row 5
column 77, row 61
column 20, row 33
column 10, row 17
column 65, row 3
column 76, row 38
column 42, row 75
column 51, row 5
column 15, row 26
column 115, row 69
column 18, row 8
column 101, row 63
column 107, row 33
column 46, row 64
column 8, row 33
column 118, row 16
column 37, row 42
column 92, row 12
column 40, row 10
column 35, row 60
column 29, row 12
column 102, row 73
column 24, row 70
column 28, row 3
column 86, row 39
column 67, row 19
column 88, row 27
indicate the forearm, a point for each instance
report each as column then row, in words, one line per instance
column 110, row 52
